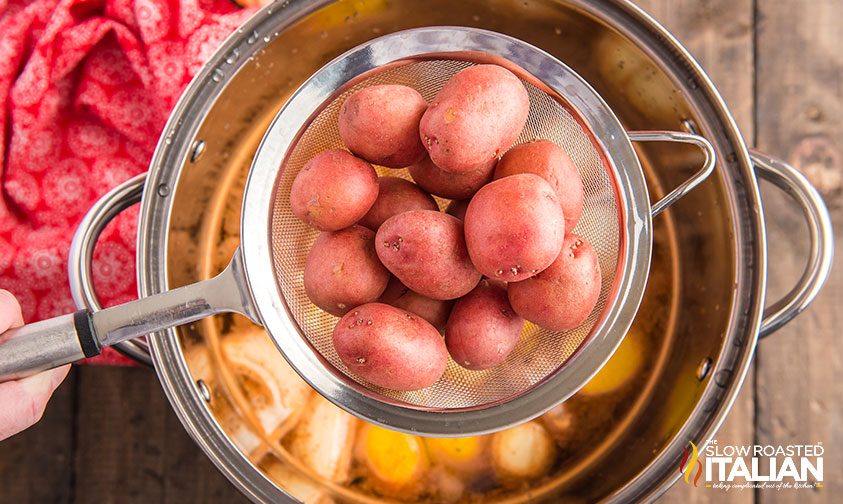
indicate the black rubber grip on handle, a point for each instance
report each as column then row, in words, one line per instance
column 85, row 332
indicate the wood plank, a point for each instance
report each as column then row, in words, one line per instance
column 132, row 447
column 719, row 35
column 800, row 118
column 36, row 464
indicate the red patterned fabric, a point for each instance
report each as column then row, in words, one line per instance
column 86, row 87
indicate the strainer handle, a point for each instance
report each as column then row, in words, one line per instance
column 33, row 348
column 792, row 182
column 80, row 256
column 681, row 137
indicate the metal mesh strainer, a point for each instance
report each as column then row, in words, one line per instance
column 546, row 367
column 540, row 352
column 264, row 279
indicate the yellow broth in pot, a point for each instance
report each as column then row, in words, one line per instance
column 319, row 453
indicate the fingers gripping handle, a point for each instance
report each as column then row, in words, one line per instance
column 50, row 343
column 33, row 348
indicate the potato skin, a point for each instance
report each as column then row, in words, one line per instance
column 389, row 347
column 475, row 118
column 333, row 190
column 561, row 297
column 435, row 311
column 514, row 227
column 426, row 250
column 457, row 208
column 395, row 196
column 449, row 185
column 380, row 124
column 550, row 162
column 483, row 328
column 342, row 270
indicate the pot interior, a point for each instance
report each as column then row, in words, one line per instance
column 602, row 437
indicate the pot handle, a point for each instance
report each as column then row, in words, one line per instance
column 790, row 180
column 80, row 256
column 685, row 187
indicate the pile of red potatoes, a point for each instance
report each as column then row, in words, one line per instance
column 398, row 271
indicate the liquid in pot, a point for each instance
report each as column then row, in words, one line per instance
column 319, row 453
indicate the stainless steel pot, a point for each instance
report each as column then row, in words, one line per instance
column 711, row 249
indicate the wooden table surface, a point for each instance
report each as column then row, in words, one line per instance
column 109, row 435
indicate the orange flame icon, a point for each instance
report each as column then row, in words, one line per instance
column 686, row 466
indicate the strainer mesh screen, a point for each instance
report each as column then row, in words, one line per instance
column 539, row 352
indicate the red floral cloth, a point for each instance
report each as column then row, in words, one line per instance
column 86, row 87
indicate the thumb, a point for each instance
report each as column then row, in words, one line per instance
column 10, row 312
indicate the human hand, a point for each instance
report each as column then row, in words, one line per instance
column 23, row 401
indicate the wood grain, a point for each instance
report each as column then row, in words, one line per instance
column 719, row 35
column 132, row 447
column 800, row 118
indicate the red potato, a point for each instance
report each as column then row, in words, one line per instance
column 390, row 348
column 561, row 297
column 396, row 195
column 433, row 310
column 483, row 328
column 426, row 251
column 333, row 190
column 514, row 227
column 394, row 290
column 547, row 160
column 342, row 270
column 475, row 118
column 380, row 124
column 458, row 208
column 449, row 185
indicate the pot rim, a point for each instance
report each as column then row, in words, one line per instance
column 725, row 381
column 731, row 366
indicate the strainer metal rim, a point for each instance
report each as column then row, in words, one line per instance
column 635, row 228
